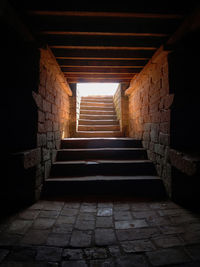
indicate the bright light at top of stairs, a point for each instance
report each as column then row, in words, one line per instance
column 86, row 89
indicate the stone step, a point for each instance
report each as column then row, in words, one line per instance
column 71, row 143
column 101, row 153
column 102, row 167
column 97, row 98
column 97, row 117
column 96, row 108
column 98, row 122
column 97, row 112
column 139, row 186
column 97, row 104
column 98, row 128
column 89, row 134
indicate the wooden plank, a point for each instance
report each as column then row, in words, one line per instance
column 99, row 76
column 123, row 34
column 103, row 59
column 102, row 67
column 97, row 80
column 103, row 41
column 99, row 70
column 102, row 47
column 105, row 14
column 104, row 54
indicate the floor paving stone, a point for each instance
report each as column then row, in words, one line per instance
column 95, row 253
column 43, row 223
column 137, row 246
column 19, row 226
column 131, row 261
column 49, row 214
column 62, row 228
column 49, row 254
column 35, row 237
column 3, row 254
column 167, row 241
column 122, row 215
column 65, row 220
column 101, row 232
column 138, row 233
column 104, row 222
column 69, row 212
column 104, row 237
column 74, row 264
column 81, row 238
column 58, row 240
column 169, row 256
column 130, row 224
column 85, row 225
column 22, row 254
column 102, row 263
column 73, row 254
column 104, row 212
column 29, row 214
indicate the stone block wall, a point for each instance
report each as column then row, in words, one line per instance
column 149, row 113
column 53, row 108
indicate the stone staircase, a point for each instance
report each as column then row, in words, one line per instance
column 98, row 117
column 103, row 166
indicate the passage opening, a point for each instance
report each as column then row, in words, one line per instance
column 86, row 89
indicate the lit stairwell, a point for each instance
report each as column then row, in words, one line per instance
column 98, row 117
column 103, row 165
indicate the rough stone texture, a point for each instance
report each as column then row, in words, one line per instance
column 166, row 234
column 149, row 113
column 121, row 106
column 52, row 101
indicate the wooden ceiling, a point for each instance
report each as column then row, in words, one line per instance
column 101, row 44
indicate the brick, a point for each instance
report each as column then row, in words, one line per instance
column 167, row 241
column 164, row 139
column 165, row 116
column 41, row 116
column 104, row 222
column 38, row 100
column 20, row 226
column 46, row 106
column 154, row 132
column 159, row 149
column 35, row 237
column 130, row 224
column 95, row 253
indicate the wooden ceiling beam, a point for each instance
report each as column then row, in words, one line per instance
column 102, row 47
column 100, row 70
column 99, row 75
column 103, row 58
column 97, row 80
column 105, row 14
column 123, row 34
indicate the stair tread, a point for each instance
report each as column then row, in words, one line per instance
column 88, row 162
column 104, row 178
column 103, row 149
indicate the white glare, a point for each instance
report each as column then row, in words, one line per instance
column 86, row 89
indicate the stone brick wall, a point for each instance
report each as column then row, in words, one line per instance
column 149, row 112
column 121, row 107
column 52, row 100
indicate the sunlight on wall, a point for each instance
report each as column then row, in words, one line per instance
column 86, row 89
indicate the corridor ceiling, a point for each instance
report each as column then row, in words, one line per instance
column 104, row 44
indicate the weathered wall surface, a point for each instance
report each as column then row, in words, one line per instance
column 149, row 113
column 52, row 100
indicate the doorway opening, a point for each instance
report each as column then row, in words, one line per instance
column 87, row 89
column 98, row 109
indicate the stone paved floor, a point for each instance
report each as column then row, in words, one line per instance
column 101, row 233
